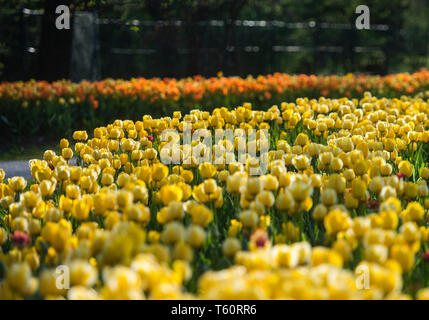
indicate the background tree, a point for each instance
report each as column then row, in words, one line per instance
column 31, row 47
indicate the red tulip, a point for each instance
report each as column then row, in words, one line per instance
column 372, row 204
column 150, row 138
column 20, row 239
column 400, row 175
column 260, row 238
column 425, row 256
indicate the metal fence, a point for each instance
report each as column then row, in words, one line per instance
column 177, row 49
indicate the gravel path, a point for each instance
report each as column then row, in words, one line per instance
column 16, row 168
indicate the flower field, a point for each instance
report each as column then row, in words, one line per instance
column 60, row 107
column 339, row 213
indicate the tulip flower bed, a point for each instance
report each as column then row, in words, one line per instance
column 61, row 107
column 340, row 213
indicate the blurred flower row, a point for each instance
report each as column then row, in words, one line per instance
column 341, row 212
column 197, row 88
column 40, row 106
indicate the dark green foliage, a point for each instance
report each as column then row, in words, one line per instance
column 193, row 47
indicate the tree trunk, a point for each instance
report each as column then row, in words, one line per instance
column 55, row 45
